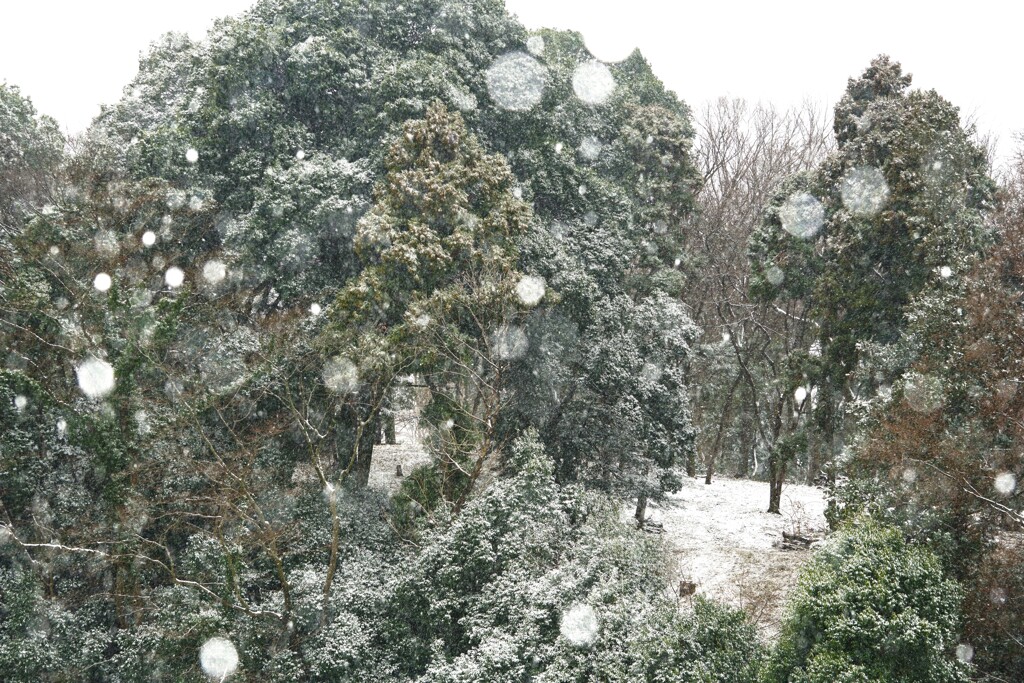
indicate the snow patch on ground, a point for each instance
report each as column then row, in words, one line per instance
column 722, row 539
column 719, row 536
column 408, row 452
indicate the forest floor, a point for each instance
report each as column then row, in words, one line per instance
column 719, row 536
column 722, row 539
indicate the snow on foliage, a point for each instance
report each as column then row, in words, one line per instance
column 516, row 81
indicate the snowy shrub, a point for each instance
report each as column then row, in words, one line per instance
column 533, row 581
column 869, row 607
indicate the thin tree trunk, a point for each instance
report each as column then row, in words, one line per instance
column 776, row 477
column 641, row 509
column 726, row 413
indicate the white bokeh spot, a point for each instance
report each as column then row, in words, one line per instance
column 509, row 342
column 802, row 215
column 530, row 290
column 214, row 271
column 219, row 658
column 593, row 82
column 579, row 624
column 174, row 277
column 516, row 81
column 341, row 375
column 1006, row 483
column 864, row 191
column 590, row 148
column 95, row 377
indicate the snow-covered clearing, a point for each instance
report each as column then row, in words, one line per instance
column 722, row 539
column 720, row 536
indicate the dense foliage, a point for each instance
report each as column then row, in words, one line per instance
column 870, row 608
column 214, row 303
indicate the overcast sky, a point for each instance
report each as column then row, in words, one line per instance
column 71, row 55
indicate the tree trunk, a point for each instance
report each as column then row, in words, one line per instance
column 722, row 422
column 746, row 446
column 776, row 477
column 691, row 463
column 641, row 509
column 813, row 459
column 367, row 436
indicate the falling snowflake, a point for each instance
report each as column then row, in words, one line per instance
column 95, row 377
column 802, row 215
column 509, row 342
column 593, row 82
column 20, row 402
column 148, row 238
column 590, row 148
column 946, row 272
column 462, row 99
column 142, row 424
column 341, row 375
column 219, row 658
column 174, row 277
column 315, row 310
column 924, row 393
column 651, row 372
column 102, row 282
column 864, row 191
column 106, row 243
column 191, row 155
column 579, row 624
column 1006, row 483
column 530, row 290
column 516, row 81
column 214, row 272
column 300, row 155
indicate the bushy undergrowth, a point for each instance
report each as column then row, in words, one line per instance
column 870, row 608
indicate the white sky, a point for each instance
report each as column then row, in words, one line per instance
column 71, row 55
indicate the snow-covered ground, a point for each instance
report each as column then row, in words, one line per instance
column 720, row 536
column 407, row 452
column 723, row 540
